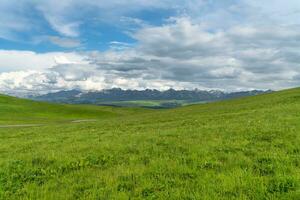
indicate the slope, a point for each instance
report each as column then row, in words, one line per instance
column 246, row 148
column 21, row 111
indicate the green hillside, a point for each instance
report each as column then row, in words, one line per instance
column 247, row 148
column 22, row 111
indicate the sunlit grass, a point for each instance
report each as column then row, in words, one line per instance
column 238, row 149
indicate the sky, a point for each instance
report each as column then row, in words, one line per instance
column 230, row 45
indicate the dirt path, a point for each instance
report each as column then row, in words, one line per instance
column 35, row 125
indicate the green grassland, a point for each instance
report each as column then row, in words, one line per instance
column 22, row 111
column 151, row 103
column 247, row 148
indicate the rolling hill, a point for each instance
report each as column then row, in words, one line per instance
column 246, row 148
column 22, row 111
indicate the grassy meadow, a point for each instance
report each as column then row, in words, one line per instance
column 247, row 148
column 158, row 104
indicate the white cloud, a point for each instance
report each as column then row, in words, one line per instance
column 179, row 54
column 227, row 46
column 66, row 16
column 11, row 60
column 64, row 42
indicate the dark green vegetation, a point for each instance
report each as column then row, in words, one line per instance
column 156, row 104
column 247, row 148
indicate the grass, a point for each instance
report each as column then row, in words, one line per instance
column 246, row 148
column 151, row 103
column 22, row 111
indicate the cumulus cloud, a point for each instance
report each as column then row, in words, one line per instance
column 67, row 16
column 196, row 51
column 67, row 77
column 13, row 60
column 179, row 54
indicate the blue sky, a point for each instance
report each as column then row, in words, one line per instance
column 184, row 44
column 92, row 28
column 92, row 24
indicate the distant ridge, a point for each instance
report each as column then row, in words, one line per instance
column 111, row 96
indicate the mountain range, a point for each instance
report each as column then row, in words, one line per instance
column 142, row 98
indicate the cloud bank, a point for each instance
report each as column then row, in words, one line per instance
column 229, row 49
